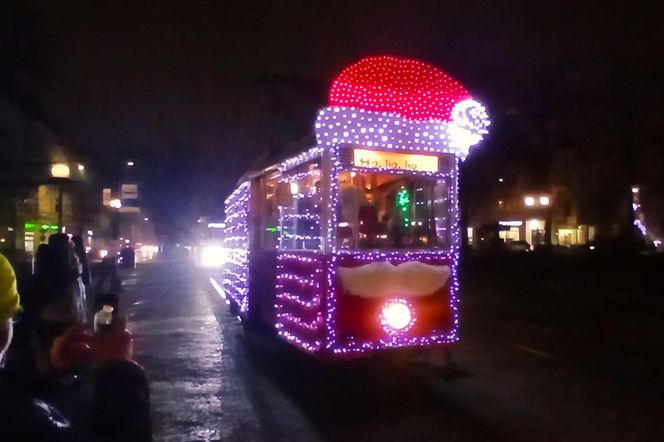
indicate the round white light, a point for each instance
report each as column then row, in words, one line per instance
column 529, row 201
column 544, row 200
column 60, row 170
column 396, row 315
column 213, row 256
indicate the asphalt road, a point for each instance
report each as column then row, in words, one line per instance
column 525, row 375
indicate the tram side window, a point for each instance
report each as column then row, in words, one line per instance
column 269, row 225
column 383, row 211
column 297, row 198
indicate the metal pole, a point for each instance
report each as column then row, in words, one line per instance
column 59, row 206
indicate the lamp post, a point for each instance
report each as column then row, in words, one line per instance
column 62, row 172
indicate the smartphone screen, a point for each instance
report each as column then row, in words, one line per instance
column 112, row 299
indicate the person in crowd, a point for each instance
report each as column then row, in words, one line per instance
column 28, row 329
column 395, row 223
column 79, row 250
column 121, row 405
column 54, row 299
column 42, row 260
column 108, row 271
column 67, row 301
column 62, row 302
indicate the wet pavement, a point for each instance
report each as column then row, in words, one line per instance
column 200, row 374
column 178, row 341
column 519, row 382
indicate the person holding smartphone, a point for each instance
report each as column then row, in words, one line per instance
column 121, row 409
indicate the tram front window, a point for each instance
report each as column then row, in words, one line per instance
column 385, row 211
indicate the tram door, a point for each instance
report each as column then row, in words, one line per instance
column 263, row 219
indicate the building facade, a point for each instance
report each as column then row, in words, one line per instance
column 538, row 216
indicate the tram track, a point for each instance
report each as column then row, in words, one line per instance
column 520, row 382
column 514, row 345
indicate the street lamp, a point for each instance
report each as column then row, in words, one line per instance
column 130, row 163
column 60, row 170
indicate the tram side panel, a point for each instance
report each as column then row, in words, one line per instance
column 299, row 304
column 236, row 269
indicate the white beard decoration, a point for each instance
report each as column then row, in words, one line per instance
column 384, row 280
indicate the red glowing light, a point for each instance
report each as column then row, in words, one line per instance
column 410, row 88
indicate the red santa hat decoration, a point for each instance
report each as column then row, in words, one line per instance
column 391, row 102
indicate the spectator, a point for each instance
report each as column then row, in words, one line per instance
column 79, row 249
column 395, row 223
column 21, row 360
column 66, row 298
column 108, row 270
column 9, row 303
column 121, row 410
column 43, row 260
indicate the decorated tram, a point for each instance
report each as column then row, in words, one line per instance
column 350, row 243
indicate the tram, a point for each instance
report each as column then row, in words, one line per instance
column 350, row 243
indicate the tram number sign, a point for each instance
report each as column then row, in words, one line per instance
column 374, row 159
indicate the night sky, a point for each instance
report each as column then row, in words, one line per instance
column 196, row 90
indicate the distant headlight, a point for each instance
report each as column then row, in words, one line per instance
column 213, row 256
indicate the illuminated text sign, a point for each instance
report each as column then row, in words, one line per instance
column 390, row 160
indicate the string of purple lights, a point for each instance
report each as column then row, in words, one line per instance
column 236, row 242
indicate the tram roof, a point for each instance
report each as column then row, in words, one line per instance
column 271, row 159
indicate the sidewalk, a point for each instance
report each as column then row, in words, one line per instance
column 178, row 341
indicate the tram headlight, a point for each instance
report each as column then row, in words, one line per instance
column 213, row 256
column 396, row 316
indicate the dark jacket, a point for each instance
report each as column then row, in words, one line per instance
column 121, row 410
